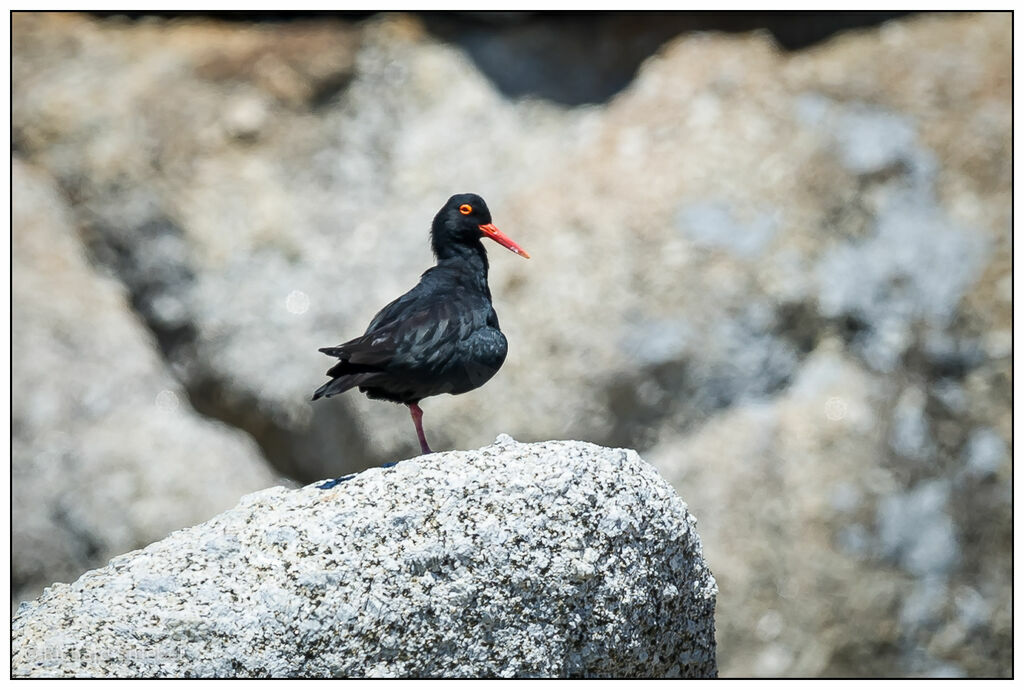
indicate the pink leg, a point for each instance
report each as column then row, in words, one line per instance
column 417, row 419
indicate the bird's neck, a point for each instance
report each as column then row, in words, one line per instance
column 468, row 261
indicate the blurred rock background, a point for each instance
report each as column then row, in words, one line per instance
column 771, row 253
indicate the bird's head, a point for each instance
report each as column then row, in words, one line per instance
column 465, row 219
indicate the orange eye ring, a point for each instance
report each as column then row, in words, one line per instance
column 465, row 209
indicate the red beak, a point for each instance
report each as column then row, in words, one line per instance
column 490, row 230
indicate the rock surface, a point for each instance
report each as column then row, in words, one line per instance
column 552, row 559
column 740, row 249
column 107, row 455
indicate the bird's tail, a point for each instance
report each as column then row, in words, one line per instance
column 345, row 374
column 339, row 385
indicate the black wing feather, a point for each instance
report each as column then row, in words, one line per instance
column 411, row 324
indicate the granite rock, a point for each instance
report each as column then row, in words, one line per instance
column 516, row 560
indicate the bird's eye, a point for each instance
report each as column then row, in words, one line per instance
column 465, row 209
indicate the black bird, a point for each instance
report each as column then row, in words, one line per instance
column 440, row 337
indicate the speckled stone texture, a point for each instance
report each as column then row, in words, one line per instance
column 548, row 559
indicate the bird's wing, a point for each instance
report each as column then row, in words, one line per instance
column 425, row 332
column 363, row 347
column 401, row 338
column 421, row 297
column 396, row 310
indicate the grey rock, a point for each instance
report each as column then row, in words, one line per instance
column 925, row 603
column 871, row 139
column 107, row 455
column 910, row 436
column 945, row 671
column 712, row 224
column 972, row 608
column 917, row 266
column 917, row 529
column 985, row 452
column 515, row 560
